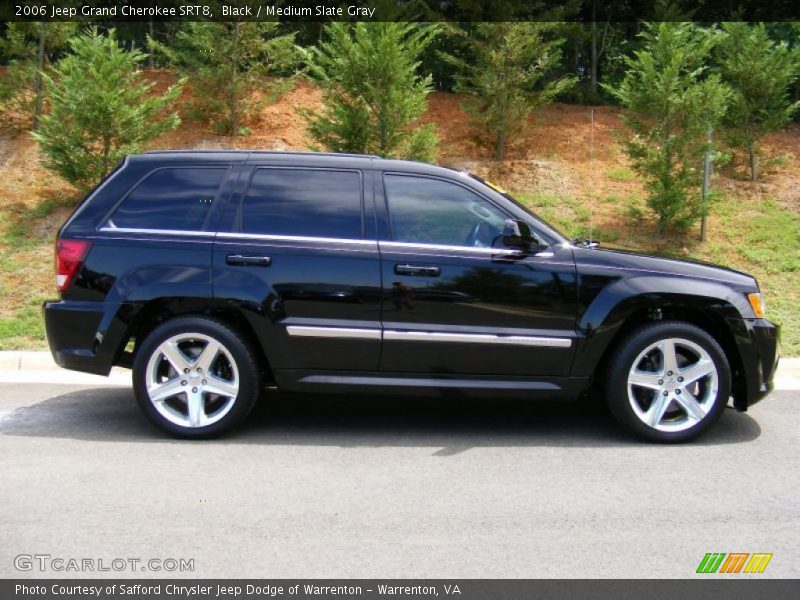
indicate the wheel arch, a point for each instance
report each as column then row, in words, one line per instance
column 709, row 306
column 142, row 319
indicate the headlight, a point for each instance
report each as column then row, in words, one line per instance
column 758, row 304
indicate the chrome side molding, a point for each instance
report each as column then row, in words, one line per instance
column 333, row 332
column 476, row 338
column 426, row 336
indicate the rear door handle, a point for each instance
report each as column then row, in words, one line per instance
column 418, row 270
column 248, row 261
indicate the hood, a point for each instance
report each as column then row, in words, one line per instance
column 647, row 263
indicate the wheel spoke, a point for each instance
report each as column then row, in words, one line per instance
column 657, row 409
column 645, row 380
column 161, row 391
column 697, row 371
column 693, row 408
column 669, row 356
column 215, row 385
column 207, row 356
column 195, row 407
column 174, row 355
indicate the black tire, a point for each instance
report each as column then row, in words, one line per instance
column 249, row 377
column 621, row 363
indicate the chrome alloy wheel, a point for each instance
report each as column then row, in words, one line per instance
column 672, row 384
column 192, row 380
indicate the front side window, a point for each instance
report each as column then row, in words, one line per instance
column 303, row 202
column 431, row 211
column 171, row 198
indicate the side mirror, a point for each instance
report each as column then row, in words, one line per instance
column 518, row 234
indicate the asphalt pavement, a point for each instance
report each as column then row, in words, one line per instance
column 375, row 486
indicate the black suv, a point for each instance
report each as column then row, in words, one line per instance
column 213, row 274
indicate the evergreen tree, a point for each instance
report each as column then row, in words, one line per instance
column 27, row 48
column 508, row 77
column 673, row 102
column 101, row 110
column 226, row 63
column 760, row 72
column 372, row 91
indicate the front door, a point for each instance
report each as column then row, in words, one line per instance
column 456, row 303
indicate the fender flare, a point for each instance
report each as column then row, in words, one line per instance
column 603, row 319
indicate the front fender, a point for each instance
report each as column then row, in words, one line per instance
column 606, row 312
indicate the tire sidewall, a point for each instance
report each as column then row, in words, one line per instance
column 616, row 387
column 245, row 364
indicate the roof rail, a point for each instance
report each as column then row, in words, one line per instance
column 245, row 151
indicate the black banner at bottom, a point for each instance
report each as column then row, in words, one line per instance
column 406, row 589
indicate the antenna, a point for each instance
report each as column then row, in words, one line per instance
column 591, row 164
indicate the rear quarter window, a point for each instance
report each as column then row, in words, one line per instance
column 172, row 198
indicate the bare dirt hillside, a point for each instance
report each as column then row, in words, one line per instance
column 568, row 171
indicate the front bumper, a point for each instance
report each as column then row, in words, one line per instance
column 758, row 344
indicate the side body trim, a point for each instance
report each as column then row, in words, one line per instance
column 426, row 336
column 429, row 382
column 334, row 332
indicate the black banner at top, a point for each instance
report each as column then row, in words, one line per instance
column 401, row 10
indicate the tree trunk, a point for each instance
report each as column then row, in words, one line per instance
column 38, row 81
column 234, row 96
column 151, row 61
column 706, row 182
column 753, row 163
column 106, row 154
column 594, row 58
column 500, row 146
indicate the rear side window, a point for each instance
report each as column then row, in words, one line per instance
column 172, row 198
column 303, row 202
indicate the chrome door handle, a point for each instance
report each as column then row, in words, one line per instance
column 418, row 270
column 248, row 261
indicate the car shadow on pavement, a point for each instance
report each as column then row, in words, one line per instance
column 453, row 423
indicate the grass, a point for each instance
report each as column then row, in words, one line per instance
column 621, row 174
column 762, row 239
column 23, row 330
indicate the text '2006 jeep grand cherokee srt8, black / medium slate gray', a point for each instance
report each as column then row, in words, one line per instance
column 212, row 274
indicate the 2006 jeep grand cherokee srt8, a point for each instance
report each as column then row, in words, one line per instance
column 213, row 273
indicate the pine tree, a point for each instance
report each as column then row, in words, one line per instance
column 760, row 72
column 672, row 101
column 508, row 77
column 27, row 47
column 101, row 110
column 372, row 91
column 226, row 64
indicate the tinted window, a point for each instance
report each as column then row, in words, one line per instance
column 430, row 211
column 303, row 202
column 178, row 198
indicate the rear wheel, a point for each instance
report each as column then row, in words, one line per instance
column 195, row 377
column 668, row 382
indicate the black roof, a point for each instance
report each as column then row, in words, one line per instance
column 291, row 158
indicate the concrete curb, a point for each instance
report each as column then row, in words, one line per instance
column 39, row 367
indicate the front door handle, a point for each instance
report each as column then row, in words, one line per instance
column 417, row 270
column 248, row 261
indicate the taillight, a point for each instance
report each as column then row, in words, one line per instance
column 69, row 257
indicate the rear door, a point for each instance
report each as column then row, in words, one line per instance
column 297, row 255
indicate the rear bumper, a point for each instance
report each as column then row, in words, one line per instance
column 80, row 335
column 758, row 343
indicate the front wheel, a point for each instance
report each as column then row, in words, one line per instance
column 195, row 377
column 668, row 382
